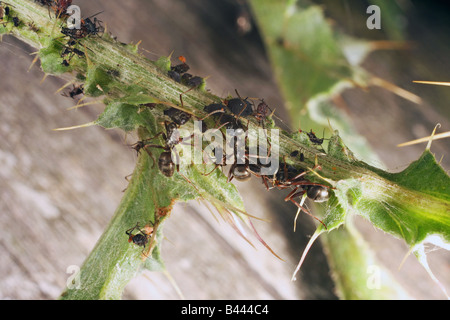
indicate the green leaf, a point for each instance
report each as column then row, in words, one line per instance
column 121, row 115
column 414, row 206
column 114, row 261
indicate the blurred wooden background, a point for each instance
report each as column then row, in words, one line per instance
column 59, row 189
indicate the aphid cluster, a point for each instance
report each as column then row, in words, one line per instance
column 6, row 14
column 179, row 74
column 232, row 113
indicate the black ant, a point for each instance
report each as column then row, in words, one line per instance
column 171, row 138
column 76, row 90
column 239, row 106
column 142, row 237
column 88, row 27
column 178, row 116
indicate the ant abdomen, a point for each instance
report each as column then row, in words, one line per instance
column 318, row 193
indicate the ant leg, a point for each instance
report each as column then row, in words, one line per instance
column 293, row 194
column 264, row 179
column 150, row 153
column 129, row 232
column 207, row 174
column 181, row 95
column 298, row 176
column 211, row 113
column 307, row 212
column 157, row 135
column 230, row 172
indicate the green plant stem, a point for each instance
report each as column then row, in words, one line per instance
column 118, row 73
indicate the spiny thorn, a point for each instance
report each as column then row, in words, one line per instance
column 64, row 86
column 437, row 83
column 34, row 61
column 76, row 127
column 432, row 136
column 426, row 139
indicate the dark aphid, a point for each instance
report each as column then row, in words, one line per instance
column 69, row 50
column 4, row 11
column 74, row 33
column 141, row 238
column 16, row 21
column 91, row 27
column 176, row 72
column 78, row 52
column 299, row 154
column 182, row 67
column 313, row 138
column 317, row 193
column 177, row 116
column 175, row 76
column 239, row 107
column 190, row 80
column 88, row 27
column 76, row 91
